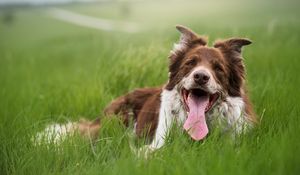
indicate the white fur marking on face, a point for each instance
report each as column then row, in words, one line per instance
column 188, row 81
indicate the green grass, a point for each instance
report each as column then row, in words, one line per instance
column 52, row 71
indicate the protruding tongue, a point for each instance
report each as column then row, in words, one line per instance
column 195, row 124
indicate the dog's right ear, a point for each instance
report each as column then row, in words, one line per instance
column 187, row 38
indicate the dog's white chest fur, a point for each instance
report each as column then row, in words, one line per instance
column 170, row 107
column 229, row 114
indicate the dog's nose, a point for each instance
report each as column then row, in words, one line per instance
column 201, row 77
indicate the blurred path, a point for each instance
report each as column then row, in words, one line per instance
column 92, row 22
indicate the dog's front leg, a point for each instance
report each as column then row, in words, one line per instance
column 164, row 124
column 165, row 120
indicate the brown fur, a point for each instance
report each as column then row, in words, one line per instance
column 89, row 129
column 142, row 104
column 249, row 109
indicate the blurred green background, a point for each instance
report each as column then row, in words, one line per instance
column 60, row 61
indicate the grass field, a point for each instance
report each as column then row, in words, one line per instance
column 53, row 71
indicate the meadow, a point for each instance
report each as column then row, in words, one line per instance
column 54, row 71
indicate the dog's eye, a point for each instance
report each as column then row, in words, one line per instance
column 218, row 68
column 191, row 62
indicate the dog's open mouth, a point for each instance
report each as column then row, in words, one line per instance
column 197, row 102
column 197, row 95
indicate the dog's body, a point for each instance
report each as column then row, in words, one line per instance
column 205, row 87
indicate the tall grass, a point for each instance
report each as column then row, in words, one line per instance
column 51, row 71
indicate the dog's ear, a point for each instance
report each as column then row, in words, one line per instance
column 233, row 44
column 187, row 38
column 231, row 50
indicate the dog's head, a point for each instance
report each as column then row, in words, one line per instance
column 204, row 74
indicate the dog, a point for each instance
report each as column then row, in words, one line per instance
column 205, row 84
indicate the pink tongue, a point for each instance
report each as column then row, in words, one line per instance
column 195, row 124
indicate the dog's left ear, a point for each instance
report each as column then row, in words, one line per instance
column 231, row 49
column 233, row 44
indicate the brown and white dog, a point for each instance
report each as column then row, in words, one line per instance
column 205, row 84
